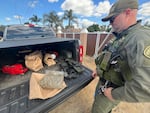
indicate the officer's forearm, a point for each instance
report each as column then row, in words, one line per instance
column 131, row 92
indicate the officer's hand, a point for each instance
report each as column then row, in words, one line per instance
column 94, row 74
column 107, row 93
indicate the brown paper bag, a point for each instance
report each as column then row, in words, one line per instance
column 49, row 60
column 37, row 92
column 33, row 61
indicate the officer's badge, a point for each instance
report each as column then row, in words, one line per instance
column 147, row 51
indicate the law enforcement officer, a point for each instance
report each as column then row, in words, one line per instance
column 124, row 67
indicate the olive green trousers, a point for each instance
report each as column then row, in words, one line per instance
column 102, row 104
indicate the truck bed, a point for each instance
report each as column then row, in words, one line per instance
column 15, row 99
column 19, row 41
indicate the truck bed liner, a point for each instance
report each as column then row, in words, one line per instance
column 15, row 99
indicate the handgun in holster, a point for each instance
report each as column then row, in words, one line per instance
column 105, row 84
column 102, row 87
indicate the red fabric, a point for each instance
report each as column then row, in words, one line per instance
column 56, row 53
column 31, row 25
column 14, row 69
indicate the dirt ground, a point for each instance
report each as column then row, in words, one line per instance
column 82, row 101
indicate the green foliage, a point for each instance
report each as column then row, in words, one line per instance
column 67, row 27
column 2, row 28
column 96, row 27
column 105, row 28
column 35, row 19
column 93, row 28
column 68, row 15
column 27, row 23
column 108, row 29
column 52, row 19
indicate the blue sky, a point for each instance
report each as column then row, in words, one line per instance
column 87, row 11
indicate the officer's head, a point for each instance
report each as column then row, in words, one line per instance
column 123, row 10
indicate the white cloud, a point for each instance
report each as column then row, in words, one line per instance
column 144, row 12
column 145, row 9
column 86, row 7
column 17, row 16
column 60, row 13
column 75, row 25
column 33, row 4
column 52, row 0
column 8, row 19
column 85, row 23
column 102, row 8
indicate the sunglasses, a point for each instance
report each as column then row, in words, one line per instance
column 112, row 19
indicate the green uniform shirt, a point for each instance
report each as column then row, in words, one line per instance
column 136, row 49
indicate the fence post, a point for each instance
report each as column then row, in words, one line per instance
column 59, row 32
column 97, row 45
column 73, row 35
column 83, row 39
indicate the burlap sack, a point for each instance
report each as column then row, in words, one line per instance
column 33, row 61
column 37, row 92
column 52, row 80
column 49, row 60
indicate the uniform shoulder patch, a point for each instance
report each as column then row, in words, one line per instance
column 147, row 52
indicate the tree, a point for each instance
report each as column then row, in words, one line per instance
column 68, row 15
column 52, row 19
column 93, row 28
column 105, row 28
column 27, row 23
column 2, row 27
column 35, row 19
